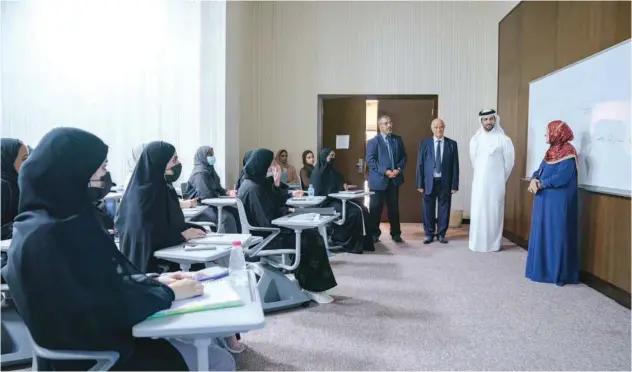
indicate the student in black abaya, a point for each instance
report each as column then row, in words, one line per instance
column 326, row 180
column 314, row 273
column 150, row 217
column 204, row 183
column 71, row 285
column 14, row 153
column 279, row 191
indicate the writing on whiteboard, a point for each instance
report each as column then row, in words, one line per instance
column 593, row 97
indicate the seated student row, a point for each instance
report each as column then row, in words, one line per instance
column 144, row 225
column 149, row 189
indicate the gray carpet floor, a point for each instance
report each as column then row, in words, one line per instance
column 442, row 307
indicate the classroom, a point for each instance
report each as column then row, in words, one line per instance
column 315, row 185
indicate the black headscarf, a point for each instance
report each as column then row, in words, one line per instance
column 71, row 285
column 10, row 192
column 243, row 164
column 325, row 179
column 261, row 202
column 256, row 167
column 150, row 217
column 204, row 182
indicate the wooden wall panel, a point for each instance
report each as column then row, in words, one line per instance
column 508, row 86
column 535, row 39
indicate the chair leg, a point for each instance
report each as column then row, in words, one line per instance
column 323, row 232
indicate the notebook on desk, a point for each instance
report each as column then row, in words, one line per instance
column 303, row 217
column 221, row 239
column 352, row 192
column 218, row 294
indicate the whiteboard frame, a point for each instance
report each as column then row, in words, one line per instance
column 590, row 188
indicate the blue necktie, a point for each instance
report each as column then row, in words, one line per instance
column 390, row 152
column 437, row 164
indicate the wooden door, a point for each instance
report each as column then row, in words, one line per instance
column 346, row 116
column 411, row 120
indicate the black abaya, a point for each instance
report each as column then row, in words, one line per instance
column 314, row 271
column 150, row 217
column 352, row 234
column 71, row 285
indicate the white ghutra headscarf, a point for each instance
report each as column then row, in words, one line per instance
column 483, row 140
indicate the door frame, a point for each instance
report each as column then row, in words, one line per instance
column 322, row 97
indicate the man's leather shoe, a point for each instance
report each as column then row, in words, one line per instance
column 398, row 239
column 443, row 240
column 428, row 240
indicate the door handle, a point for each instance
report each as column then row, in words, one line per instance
column 360, row 166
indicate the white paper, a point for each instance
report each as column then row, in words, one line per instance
column 305, row 217
column 342, row 141
column 217, row 294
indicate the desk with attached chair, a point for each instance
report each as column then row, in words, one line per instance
column 200, row 328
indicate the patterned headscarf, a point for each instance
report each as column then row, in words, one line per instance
column 560, row 135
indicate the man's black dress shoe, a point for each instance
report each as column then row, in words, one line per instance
column 443, row 240
column 398, row 239
column 428, row 239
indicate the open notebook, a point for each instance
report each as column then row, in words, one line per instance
column 218, row 294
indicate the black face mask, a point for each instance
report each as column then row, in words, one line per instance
column 176, row 169
column 98, row 193
column 331, row 161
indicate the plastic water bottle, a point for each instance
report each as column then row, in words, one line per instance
column 310, row 192
column 237, row 265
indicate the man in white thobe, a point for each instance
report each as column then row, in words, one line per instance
column 492, row 155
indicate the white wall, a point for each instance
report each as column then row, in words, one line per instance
column 91, row 65
column 303, row 49
column 213, row 81
column 128, row 71
column 240, row 122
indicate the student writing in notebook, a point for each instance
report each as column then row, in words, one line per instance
column 70, row 283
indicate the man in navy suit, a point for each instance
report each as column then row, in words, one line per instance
column 386, row 159
column 437, row 180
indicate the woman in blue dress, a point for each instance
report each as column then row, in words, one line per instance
column 553, row 248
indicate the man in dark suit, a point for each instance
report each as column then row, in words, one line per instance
column 437, row 179
column 386, row 159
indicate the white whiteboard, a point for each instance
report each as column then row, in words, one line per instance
column 593, row 97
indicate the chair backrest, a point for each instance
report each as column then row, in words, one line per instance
column 243, row 218
column 104, row 359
